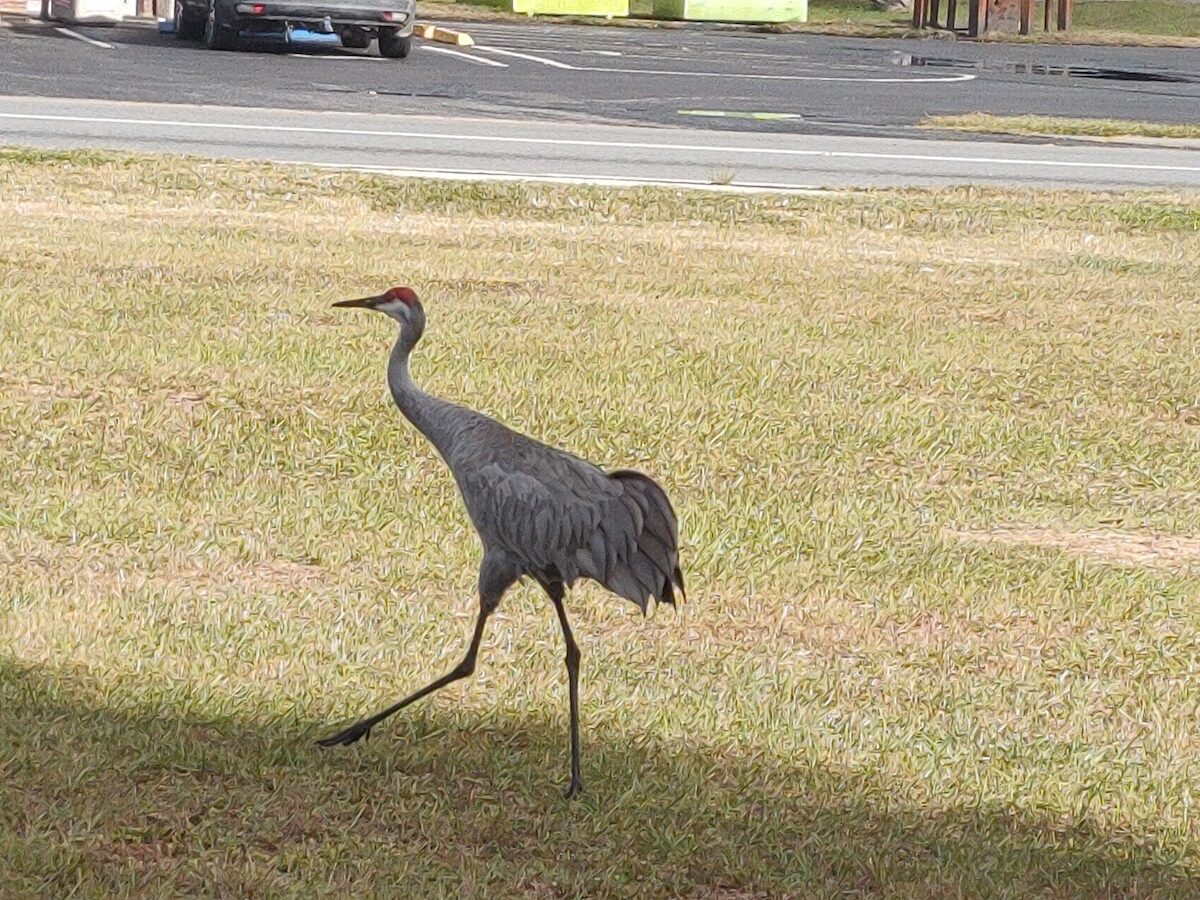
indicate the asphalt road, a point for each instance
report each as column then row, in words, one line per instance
column 552, row 100
column 500, row 148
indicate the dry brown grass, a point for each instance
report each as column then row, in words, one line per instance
column 1060, row 125
column 1105, row 545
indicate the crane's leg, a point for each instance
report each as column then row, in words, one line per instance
column 495, row 577
column 556, row 591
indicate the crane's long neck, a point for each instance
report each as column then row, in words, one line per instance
column 434, row 418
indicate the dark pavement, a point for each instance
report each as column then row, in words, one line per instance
column 675, row 77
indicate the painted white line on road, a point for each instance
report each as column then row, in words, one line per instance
column 83, row 37
column 764, row 77
column 682, row 53
column 529, row 56
column 478, row 60
column 177, row 124
column 739, row 114
column 732, row 75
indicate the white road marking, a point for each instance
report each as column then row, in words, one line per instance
column 733, row 75
column 680, row 53
column 529, row 56
column 478, row 60
column 176, row 124
column 739, row 114
column 764, row 77
column 83, row 37
column 683, row 55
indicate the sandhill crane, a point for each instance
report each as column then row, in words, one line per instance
column 540, row 512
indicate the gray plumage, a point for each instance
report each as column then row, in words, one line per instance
column 540, row 512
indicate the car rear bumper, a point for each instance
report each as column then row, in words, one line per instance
column 322, row 18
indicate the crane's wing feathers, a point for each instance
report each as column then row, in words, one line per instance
column 564, row 519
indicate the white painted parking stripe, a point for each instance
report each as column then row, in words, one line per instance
column 83, row 37
column 478, row 60
column 681, row 54
column 529, row 56
column 794, row 152
column 753, row 76
column 757, row 76
column 739, row 114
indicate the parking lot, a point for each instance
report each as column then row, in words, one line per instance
column 717, row 79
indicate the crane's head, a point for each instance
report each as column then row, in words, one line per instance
column 400, row 303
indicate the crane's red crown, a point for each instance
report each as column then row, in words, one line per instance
column 405, row 295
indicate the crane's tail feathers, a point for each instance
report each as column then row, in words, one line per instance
column 650, row 567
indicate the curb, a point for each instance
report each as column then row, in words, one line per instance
column 443, row 35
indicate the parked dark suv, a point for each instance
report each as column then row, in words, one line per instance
column 221, row 23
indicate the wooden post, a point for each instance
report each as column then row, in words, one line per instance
column 977, row 17
column 1026, row 14
column 1046, row 16
column 951, row 13
column 1064, row 15
column 918, row 18
column 933, row 11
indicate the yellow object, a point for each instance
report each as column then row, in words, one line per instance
column 733, row 10
column 606, row 8
column 443, row 35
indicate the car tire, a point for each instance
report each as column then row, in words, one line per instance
column 188, row 25
column 217, row 34
column 392, row 46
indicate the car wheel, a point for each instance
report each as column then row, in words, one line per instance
column 217, row 34
column 188, row 25
column 393, row 46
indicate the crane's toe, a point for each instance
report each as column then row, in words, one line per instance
column 573, row 790
column 349, row 736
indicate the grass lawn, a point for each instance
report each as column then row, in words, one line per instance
column 935, row 457
column 987, row 123
column 1164, row 17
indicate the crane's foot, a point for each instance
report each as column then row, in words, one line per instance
column 574, row 789
column 349, row 736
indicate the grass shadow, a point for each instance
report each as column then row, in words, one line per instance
column 119, row 800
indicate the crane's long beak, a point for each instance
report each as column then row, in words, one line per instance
column 362, row 302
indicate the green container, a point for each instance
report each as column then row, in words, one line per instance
column 732, row 10
column 606, row 8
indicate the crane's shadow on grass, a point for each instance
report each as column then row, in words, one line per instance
column 112, row 797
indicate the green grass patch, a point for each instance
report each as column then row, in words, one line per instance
column 935, row 460
column 1152, row 17
column 985, row 122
